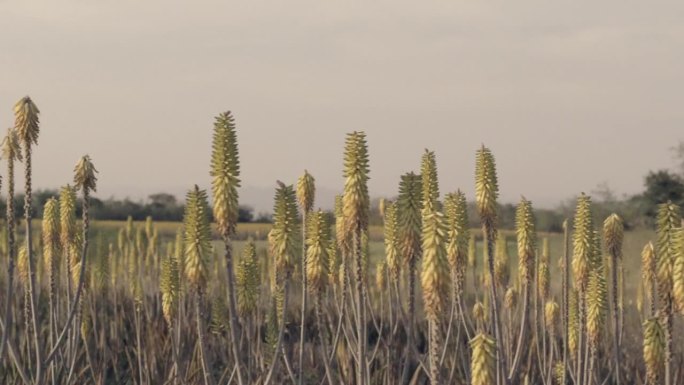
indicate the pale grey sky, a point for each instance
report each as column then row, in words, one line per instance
column 567, row 94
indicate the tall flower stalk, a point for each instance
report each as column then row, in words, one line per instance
column 318, row 244
column 197, row 260
column 283, row 243
column 409, row 207
column 668, row 219
column 306, row 191
column 85, row 180
column 583, row 249
column 26, row 122
column 356, row 208
column 527, row 242
column 11, row 152
column 435, row 270
column 486, row 194
column 613, row 234
column 225, row 173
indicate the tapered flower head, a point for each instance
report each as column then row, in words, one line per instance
column 654, row 349
column 613, row 233
column 11, row 150
column 551, row 312
column 648, row 267
column 225, row 173
column 527, row 239
column 583, row 242
column 197, row 238
column 284, row 236
column 317, row 258
column 483, row 360
column 381, row 275
column 247, row 279
column 678, row 269
column 170, row 288
column 392, row 240
column 543, row 278
column 306, row 191
column 67, row 216
column 668, row 219
column 428, row 172
column 356, row 202
column 341, row 235
column 456, row 211
column 511, row 298
column 409, row 206
column 26, row 121
column 486, row 185
column 51, row 233
column 23, row 265
column 573, row 320
column 84, row 174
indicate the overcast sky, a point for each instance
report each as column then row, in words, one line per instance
column 567, row 94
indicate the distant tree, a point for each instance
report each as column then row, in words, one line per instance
column 263, row 218
column 163, row 200
column 245, row 214
column 662, row 186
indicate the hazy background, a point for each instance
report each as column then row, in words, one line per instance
column 567, row 94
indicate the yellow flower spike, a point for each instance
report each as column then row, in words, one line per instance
column 317, row 258
column 11, row 149
column 527, row 240
column 225, row 173
column 654, row 349
column 284, row 236
column 355, row 201
column 583, row 242
column 306, row 191
column 197, row 238
column 26, row 121
column 483, row 360
column 84, row 175
column 392, row 241
column 455, row 209
column 247, row 280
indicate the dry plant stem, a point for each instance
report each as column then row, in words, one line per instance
column 566, row 293
column 81, row 280
column 435, row 375
column 522, row 336
column 138, row 339
column 616, row 322
column 668, row 339
column 304, row 297
column 324, row 340
column 281, row 332
column 200, row 338
column 580, row 337
column 31, row 265
column 11, row 255
column 232, row 308
column 489, row 232
column 411, row 318
column 11, row 352
column 360, row 308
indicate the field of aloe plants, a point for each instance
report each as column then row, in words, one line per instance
column 315, row 299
